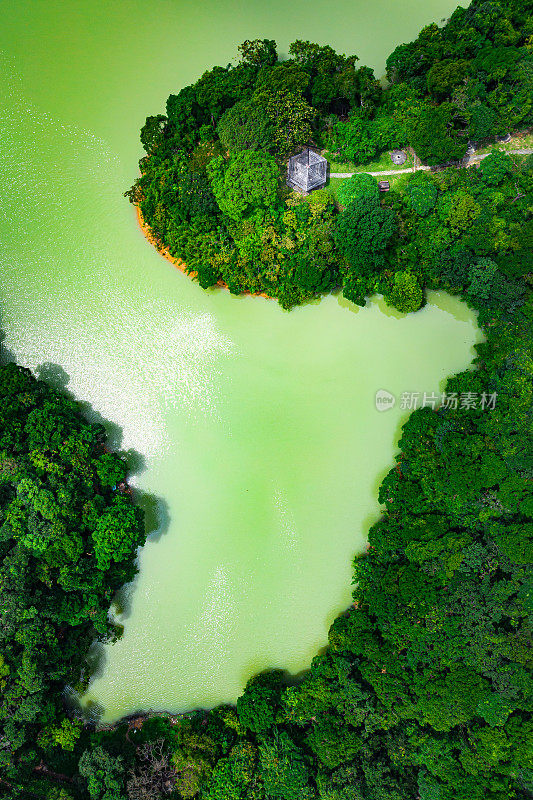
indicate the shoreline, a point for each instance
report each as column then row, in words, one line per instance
column 179, row 263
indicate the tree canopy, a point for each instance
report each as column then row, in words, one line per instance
column 211, row 204
column 247, row 182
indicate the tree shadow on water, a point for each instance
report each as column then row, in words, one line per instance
column 55, row 376
column 156, row 518
column 156, row 514
column 155, row 509
column 156, row 521
column 6, row 355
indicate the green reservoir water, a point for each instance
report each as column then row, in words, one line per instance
column 253, row 431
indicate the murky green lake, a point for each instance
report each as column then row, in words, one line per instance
column 254, row 431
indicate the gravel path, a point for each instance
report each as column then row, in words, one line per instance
column 525, row 152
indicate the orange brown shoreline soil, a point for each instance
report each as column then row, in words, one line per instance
column 177, row 262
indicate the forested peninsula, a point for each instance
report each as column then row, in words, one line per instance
column 213, row 184
column 425, row 689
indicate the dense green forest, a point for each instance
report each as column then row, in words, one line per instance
column 425, row 691
column 213, row 183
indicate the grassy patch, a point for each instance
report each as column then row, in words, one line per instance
column 397, row 182
column 520, row 141
column 379, row 165
column 332, row 185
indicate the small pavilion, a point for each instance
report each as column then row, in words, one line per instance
column 307, row 171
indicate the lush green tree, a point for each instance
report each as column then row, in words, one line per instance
column 292, row 119
column 285, row 78
column 315, row 58
column 247, row 182
column 245, row 126
column 58, row 793
column 362, row 233
column 118, row 532
column 482, row 122
column 444, row 76
column 406, row 62
column 193, row 759
column 111, row 469
column 258, row 52
column 233, row 775
column 406, row 293
column 257, row 705
column 458, row 210
column 56, row 491
column 435, row 137
column 496, row 167
column 284, row 771
column 356, row 140
column 365, row 90
column 64, row 735
column 194, row 199
column 220, row 88
column 496, row 62
column 184, row 114
column 152, row 132
column 361, row 139
column 104, row 774
column 360, row 186
column 489, row 287
column 421, row 194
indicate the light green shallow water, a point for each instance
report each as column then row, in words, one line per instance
column 261, row 444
